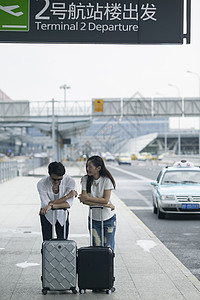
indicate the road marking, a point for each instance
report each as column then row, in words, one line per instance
column 142, row 178
column 143, row 198
column 140, row 207
column 146, row 245
column 130, row 181
column 132, row 174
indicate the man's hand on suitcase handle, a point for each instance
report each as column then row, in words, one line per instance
column 73, row 193
column 44, row 210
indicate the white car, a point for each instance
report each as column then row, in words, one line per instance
column 177, row 190
column 109, row 157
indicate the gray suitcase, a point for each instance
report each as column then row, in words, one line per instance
column 59, row 263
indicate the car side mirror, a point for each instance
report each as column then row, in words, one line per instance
column 154, row 183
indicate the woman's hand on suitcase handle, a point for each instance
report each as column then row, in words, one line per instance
column 83, row 197
column 111, row 206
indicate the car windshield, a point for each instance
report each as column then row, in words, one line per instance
column 183, row 177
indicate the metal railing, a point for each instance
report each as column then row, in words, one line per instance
column 8, row 170
column 21, row 167
column 73, row 108
column 25, row 166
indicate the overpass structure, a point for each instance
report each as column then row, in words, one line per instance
column 62, row 122
column 135, row 106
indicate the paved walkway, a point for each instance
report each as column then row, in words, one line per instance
column 144, row 268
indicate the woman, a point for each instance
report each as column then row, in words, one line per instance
column 96, row 190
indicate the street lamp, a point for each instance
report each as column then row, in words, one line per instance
column 159, row 94
column 179, row 135
column 176, row 87
column 198, row 76
column 65, row 87
column 179, row 95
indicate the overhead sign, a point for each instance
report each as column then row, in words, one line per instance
column 98, row 105
column 95, row 21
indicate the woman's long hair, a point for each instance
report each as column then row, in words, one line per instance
column 98, row 162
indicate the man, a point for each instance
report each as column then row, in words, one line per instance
column 56, row 191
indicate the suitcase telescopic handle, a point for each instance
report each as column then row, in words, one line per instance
column 54, row 223
column 102, row 231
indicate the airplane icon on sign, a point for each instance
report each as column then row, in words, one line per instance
column 9, row 10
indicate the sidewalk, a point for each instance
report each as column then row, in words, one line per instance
column 144, row 268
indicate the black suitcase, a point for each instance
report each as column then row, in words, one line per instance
column 96, row 265
column 59, row 263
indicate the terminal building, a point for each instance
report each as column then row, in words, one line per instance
column 135, row 135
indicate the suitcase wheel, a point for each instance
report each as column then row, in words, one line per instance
column 111, row 290
column 44, row 291
column 74, row 291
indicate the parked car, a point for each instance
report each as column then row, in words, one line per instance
column 109, row 157
column 177, row 190
column 144, row 156
column 124, row 159
column 134, row 157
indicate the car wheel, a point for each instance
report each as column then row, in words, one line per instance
column 161, row 215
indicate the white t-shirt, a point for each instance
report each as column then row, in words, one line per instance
column 44, row 187
column 97, row 190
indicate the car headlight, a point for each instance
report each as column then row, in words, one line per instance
column 167, row 197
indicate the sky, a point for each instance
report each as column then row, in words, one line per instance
column 35, row 72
